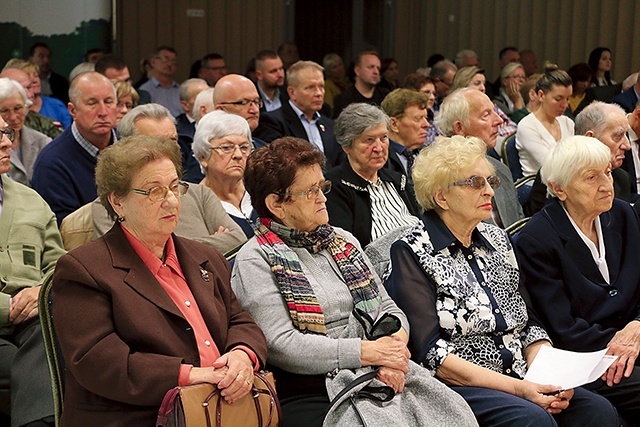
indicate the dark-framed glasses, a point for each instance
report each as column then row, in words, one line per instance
column 9, row 133
column 159, row 192
column 314, row 192
column 478, row 182
column 245, row 102
column 231, row 148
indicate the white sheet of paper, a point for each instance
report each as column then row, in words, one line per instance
column 568, row 369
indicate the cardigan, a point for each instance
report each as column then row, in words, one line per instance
column 349, row 203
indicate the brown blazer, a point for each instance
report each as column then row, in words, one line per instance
column 122, row 337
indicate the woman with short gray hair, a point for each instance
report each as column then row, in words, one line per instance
column 27, row 142
column 222, row 144
column 579, row 258
column 368, row 199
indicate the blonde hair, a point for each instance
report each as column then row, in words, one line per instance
column 442, row 163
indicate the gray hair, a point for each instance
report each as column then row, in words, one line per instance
column 510, row 68
column 214, row 125
column 465, row 53
column 355, row 120
column 127, row 126
column 570, row 156
column 204, row 98
column 441, row 68
column 10, row 87
column 82, row 67
column 596, row 117
column 454, row 108
column 186, row 88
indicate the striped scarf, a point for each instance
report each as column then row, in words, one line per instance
column 276, row 241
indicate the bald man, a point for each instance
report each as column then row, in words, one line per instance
column 64, row 173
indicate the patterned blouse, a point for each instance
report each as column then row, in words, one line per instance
column 464, row 301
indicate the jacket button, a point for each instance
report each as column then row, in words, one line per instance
column 613, row 292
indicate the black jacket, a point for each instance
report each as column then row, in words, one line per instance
column 349, row 203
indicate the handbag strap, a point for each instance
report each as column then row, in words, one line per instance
column 368, row 392
column 255, row 394
column 166, row 406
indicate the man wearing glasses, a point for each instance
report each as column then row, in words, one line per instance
column 236, row 94
column 161, row 86
column 212, row 68
column 442, row 74
column 30, row 247
column 300, row 116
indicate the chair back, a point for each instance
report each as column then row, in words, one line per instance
column 379, row 250
column 54, row 356
column 77, row 227
column 511, row 157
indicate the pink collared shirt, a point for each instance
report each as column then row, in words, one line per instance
column 170, row 276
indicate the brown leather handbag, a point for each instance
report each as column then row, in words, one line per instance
column 202, row 405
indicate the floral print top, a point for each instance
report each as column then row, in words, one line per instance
column 464, row 301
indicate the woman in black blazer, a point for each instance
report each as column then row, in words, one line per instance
column 580, row 260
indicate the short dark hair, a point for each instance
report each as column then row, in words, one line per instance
column 272, row 169
column 161, row 48
column 110, row 61
column 91, row 52
column 210, row 57
column 36, row 45
column 580, row 72
column 504, row 51
column 434, row 59
column 415, row 81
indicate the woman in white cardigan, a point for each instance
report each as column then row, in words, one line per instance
column 539, row 132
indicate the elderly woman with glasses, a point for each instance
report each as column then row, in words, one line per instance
column 221, row 144
column 368, row 199
column 579, row 257
column 301, row 279
column 127, row 98
column 26, row 142
column 140, row 310
column 457, row 280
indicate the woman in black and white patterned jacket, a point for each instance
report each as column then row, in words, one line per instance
column 457, row 279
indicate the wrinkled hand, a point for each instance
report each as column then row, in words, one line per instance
column 24, row 305
column 207, row 375
column 513, row 92
column 625, row 344
column 392, row 377
column 222, row 229
column 239, row 377
column 536, row 394
column 389, row 351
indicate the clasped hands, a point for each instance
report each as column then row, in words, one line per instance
column 232, row 373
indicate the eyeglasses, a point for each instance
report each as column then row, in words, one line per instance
column 478, row 182
column 245, row 102
column 9, row 133
column 159, row 193
column 18, row 109
column 224, row 67
column 314, row 192
column 231, row 148
column 167, row 60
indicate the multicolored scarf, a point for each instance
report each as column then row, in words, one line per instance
column 276, row 241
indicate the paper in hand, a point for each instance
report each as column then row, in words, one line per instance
column 568, row 369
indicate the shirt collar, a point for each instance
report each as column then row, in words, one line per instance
column 84, row 143
column 301, row 115
column 150, row 260
column 156, row 83
column 442, row 237
column 397, row 147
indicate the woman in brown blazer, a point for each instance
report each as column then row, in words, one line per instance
column 140, row 310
